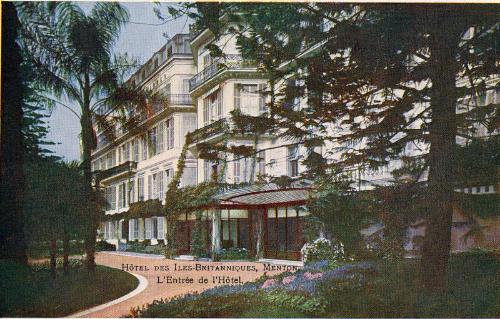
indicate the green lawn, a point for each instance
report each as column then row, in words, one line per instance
column 25, row 292
column 388, row 289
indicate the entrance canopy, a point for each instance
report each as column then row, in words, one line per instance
column 270, row 195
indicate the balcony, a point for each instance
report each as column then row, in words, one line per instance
column 179, row 99
column 206, row 132
column 126, row 167
column 230, row 62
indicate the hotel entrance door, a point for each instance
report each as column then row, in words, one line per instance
column 283, row 233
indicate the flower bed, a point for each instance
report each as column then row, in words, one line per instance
column 363, row 289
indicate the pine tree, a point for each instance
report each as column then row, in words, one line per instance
column 385, row 77
column 12, row 241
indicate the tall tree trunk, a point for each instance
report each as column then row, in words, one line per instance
column 53, row 256
column 12, row 239
column 258, row 214
column 66, row 254
column 87, row 146
column 442, row 133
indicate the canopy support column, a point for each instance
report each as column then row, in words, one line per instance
column 216, row 233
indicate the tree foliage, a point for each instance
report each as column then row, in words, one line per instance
column 382, row 82
column 72, row 54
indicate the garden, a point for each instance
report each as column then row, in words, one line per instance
column 30, row 291
column 337, row 287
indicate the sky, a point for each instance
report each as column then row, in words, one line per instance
column 140, row 39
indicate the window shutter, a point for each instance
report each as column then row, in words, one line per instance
column 161, row 193
column 206, row 115
column 171, row 135
column 161, row 231
column 161, row 132
column 113, row 197
column 236, row 172
column 131, row 229
column 150, row 186
column 237, row 96
column 262, row 162
column 219, row 104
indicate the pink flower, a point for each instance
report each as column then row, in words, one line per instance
column 310, row 276
column 288, row 280
column 268, row 283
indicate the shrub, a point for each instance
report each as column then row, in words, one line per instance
column 323, row 249
column 233, row 254
column 45, row 266
column 299, row 302
column 104, row 246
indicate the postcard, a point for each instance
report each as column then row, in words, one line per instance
column 250, row 159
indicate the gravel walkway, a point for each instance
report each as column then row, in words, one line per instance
column 157, row 272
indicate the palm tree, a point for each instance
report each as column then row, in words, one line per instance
column 72, row 54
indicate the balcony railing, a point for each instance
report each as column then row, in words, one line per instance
column 113, row 171
column 179, row 99
column 208, row 131
column 230, row 62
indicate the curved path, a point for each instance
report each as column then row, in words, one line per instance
column 152, row 273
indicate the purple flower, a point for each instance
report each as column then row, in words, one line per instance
column 288, row 280
column 268, row 283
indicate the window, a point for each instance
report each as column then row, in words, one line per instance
column 147, row 228
column 261, row 159
column 209, row 169
column 122, row 195
column 185, row 86
column 126, row 152
column 189, row 176
column 111, row 159
column 102, row 164
column 292, row 101
column 140, row 188
column 293, row 161
column 246, row 97
column 262, row 98
column 168, row 177
column 111, row 198
column 133, row 229
column 207, row 60
column 152, row 140
column 170, row 133
column 154, row 227
column 242, row 169
column 237, row 170
column 131, row 191
column 166, row 90
column 109, row 230
column 212, row 107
